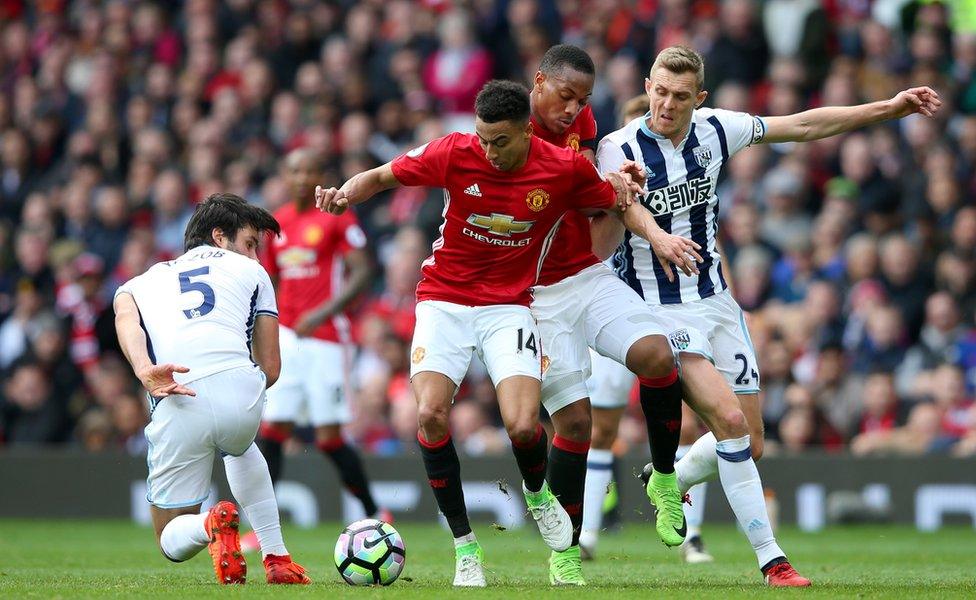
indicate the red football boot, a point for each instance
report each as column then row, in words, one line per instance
column 281, row 569
column 784, row 575
column 223, row 522
column 385, row 515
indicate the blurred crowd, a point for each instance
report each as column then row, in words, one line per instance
column 855, row 256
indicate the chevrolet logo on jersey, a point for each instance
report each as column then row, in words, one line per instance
column 498, row 224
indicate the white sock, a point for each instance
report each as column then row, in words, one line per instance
column 743, row 488
column 695, row 513
column 184, row 536
column 699, row 464
column 465, row 539
column 599, row 472
column 251, row 485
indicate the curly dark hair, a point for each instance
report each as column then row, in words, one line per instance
column 502, row 101
column 566, row 55
column 230, row 213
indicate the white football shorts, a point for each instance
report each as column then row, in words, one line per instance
column 593, row 308
column 312, row 384
column 504, row 336
column 184, row 434
column 715, row 328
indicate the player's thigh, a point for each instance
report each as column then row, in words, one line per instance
column 238, row 396
column 565, row 356
column 180, row 437
column 325, row 382
column 616, row 318
column 286, row 398
column 444, row 339
column 733, row 352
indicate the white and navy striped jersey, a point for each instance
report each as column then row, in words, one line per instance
column 199, row 310
column 681, row 182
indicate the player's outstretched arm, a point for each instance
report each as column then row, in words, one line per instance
column 359, row 188
column 157, row 379
column 824, row 122
column 265, row 349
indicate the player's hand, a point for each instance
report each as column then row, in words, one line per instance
column 923, row 100
column 158, row 381
column 331, row 200
column 636, row 172
column 676, row 250
column 625, row 187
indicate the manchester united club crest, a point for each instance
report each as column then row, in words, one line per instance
column 545, row 363
column 537, row 199
column 680, row 339
column 573, row 140
column 703, row 156
column 418, row 354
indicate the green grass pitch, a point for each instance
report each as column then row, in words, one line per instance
column 98, row 559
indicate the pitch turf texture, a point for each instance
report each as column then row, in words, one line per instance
column 98, row 559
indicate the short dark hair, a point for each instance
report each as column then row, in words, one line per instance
column 566, row 55
column 502, row 101
column 228, row 212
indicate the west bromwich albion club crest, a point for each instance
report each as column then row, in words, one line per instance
column 680, row 339
column 537, row 199
column 703, row 156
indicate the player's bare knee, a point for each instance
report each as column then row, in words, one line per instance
column 573, row 422
column 433, row 419
column 603, row 435
column 733, row 422
column 651, row 357
column 523, row 430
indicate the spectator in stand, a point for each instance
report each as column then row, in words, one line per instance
column 29, row 412
column 937, row 344
column 171, row 212
column 949, row 396
column 916, row 437
column 882, row 409
column 835, row 391
column 906, row 283
column 456, row 71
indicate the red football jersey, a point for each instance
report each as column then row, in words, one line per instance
column 572, row 249
column 307, row 262
column 497, row 225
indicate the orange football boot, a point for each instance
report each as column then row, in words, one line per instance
column 223, row 522
column 281, row 569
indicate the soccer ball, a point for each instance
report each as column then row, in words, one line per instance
column 369, row 552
